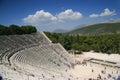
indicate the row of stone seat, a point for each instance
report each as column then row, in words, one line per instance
column 43, row 55
column 13, row 43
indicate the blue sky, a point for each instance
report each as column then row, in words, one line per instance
column 49, row 15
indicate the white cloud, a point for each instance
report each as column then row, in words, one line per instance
column 69, row 14
column 106, row 12
column 94, row 15
column 39, row 18
column 42, row 18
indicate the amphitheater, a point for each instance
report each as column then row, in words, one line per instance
column 35, row 57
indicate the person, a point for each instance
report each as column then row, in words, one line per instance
column 92, row 70
column 66, row 70
column 113, row 78
column 1, row 78
column 117, row 72
column 112, row 72
column 104, row 79
column 103, row 71
column 109, row 76
column 68, row 78
column 53, row 76
column 105, row 68
column 99, row 77
column 118, row 78
column 43, row 76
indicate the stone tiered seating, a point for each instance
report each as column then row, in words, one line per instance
column 33, row 57
column 13, row 43
column 43, row 55
column 60, row 50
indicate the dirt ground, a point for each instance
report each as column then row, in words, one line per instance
column 92, row 70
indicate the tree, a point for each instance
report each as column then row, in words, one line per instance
column 15, row 29
column 3, row 29
column 28, row 29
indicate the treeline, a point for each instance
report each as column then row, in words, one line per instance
column 15, row 29
column 109, row 43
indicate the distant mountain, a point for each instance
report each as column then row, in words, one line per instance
column 101, row 28
column 60, row 31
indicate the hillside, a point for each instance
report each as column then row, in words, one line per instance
column 60, row 31
column 102, row 28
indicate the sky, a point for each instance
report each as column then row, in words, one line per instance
column 50, row 15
